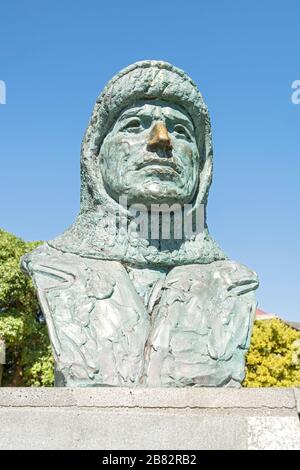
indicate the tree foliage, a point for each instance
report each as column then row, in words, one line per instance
column 273, row 359
column 28, row 352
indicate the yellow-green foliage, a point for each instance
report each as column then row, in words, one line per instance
column 29, row 357
column 28, row 353
column 274, row 356
column 15, row 288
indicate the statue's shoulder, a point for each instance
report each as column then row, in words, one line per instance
column 236, row 272
column 43, row 255
column 53, row 268
column 49, row 267
column 233, row 276
column 236, row 278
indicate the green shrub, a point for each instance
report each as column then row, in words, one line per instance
column 273, row 357
column 28, row 353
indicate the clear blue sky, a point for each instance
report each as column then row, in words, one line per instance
column 55, row 58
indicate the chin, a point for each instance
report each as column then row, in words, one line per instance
column 155, row 195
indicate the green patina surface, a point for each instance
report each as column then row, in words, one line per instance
column 125, row 305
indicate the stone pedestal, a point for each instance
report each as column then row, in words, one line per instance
column 120, row 418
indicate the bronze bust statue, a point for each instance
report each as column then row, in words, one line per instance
column 125, row 307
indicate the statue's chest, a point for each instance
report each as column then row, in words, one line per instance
column 97, row 322
column 114, row 326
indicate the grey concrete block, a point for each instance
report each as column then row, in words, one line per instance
column 37, row 428
column 36, row 397
column 182, row 431
column 120, row 418
column 103, row 397
column 297, row 396
column 274, row 433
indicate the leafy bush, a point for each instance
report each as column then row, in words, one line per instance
column 28, row 352
column 273, row 359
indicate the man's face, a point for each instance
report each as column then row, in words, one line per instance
column 150, row 155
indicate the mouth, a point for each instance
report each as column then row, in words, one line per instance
column 160, row 165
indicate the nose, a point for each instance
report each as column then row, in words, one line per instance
column 159, row 137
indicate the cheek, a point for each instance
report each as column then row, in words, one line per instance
column 189, row 156
column 114, row 154
column 117, row 150
column 120, row 149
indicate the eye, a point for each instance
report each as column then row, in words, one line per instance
column 180, row 129
column 132, row 125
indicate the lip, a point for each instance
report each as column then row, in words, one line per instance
column 159, row 164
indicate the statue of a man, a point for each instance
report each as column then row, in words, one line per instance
column 124, row 307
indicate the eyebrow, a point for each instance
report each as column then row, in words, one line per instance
column 138, row 111
column 130, row 113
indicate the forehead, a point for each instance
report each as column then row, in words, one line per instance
column 156, row 109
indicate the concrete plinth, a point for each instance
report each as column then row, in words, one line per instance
column 120, row 418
